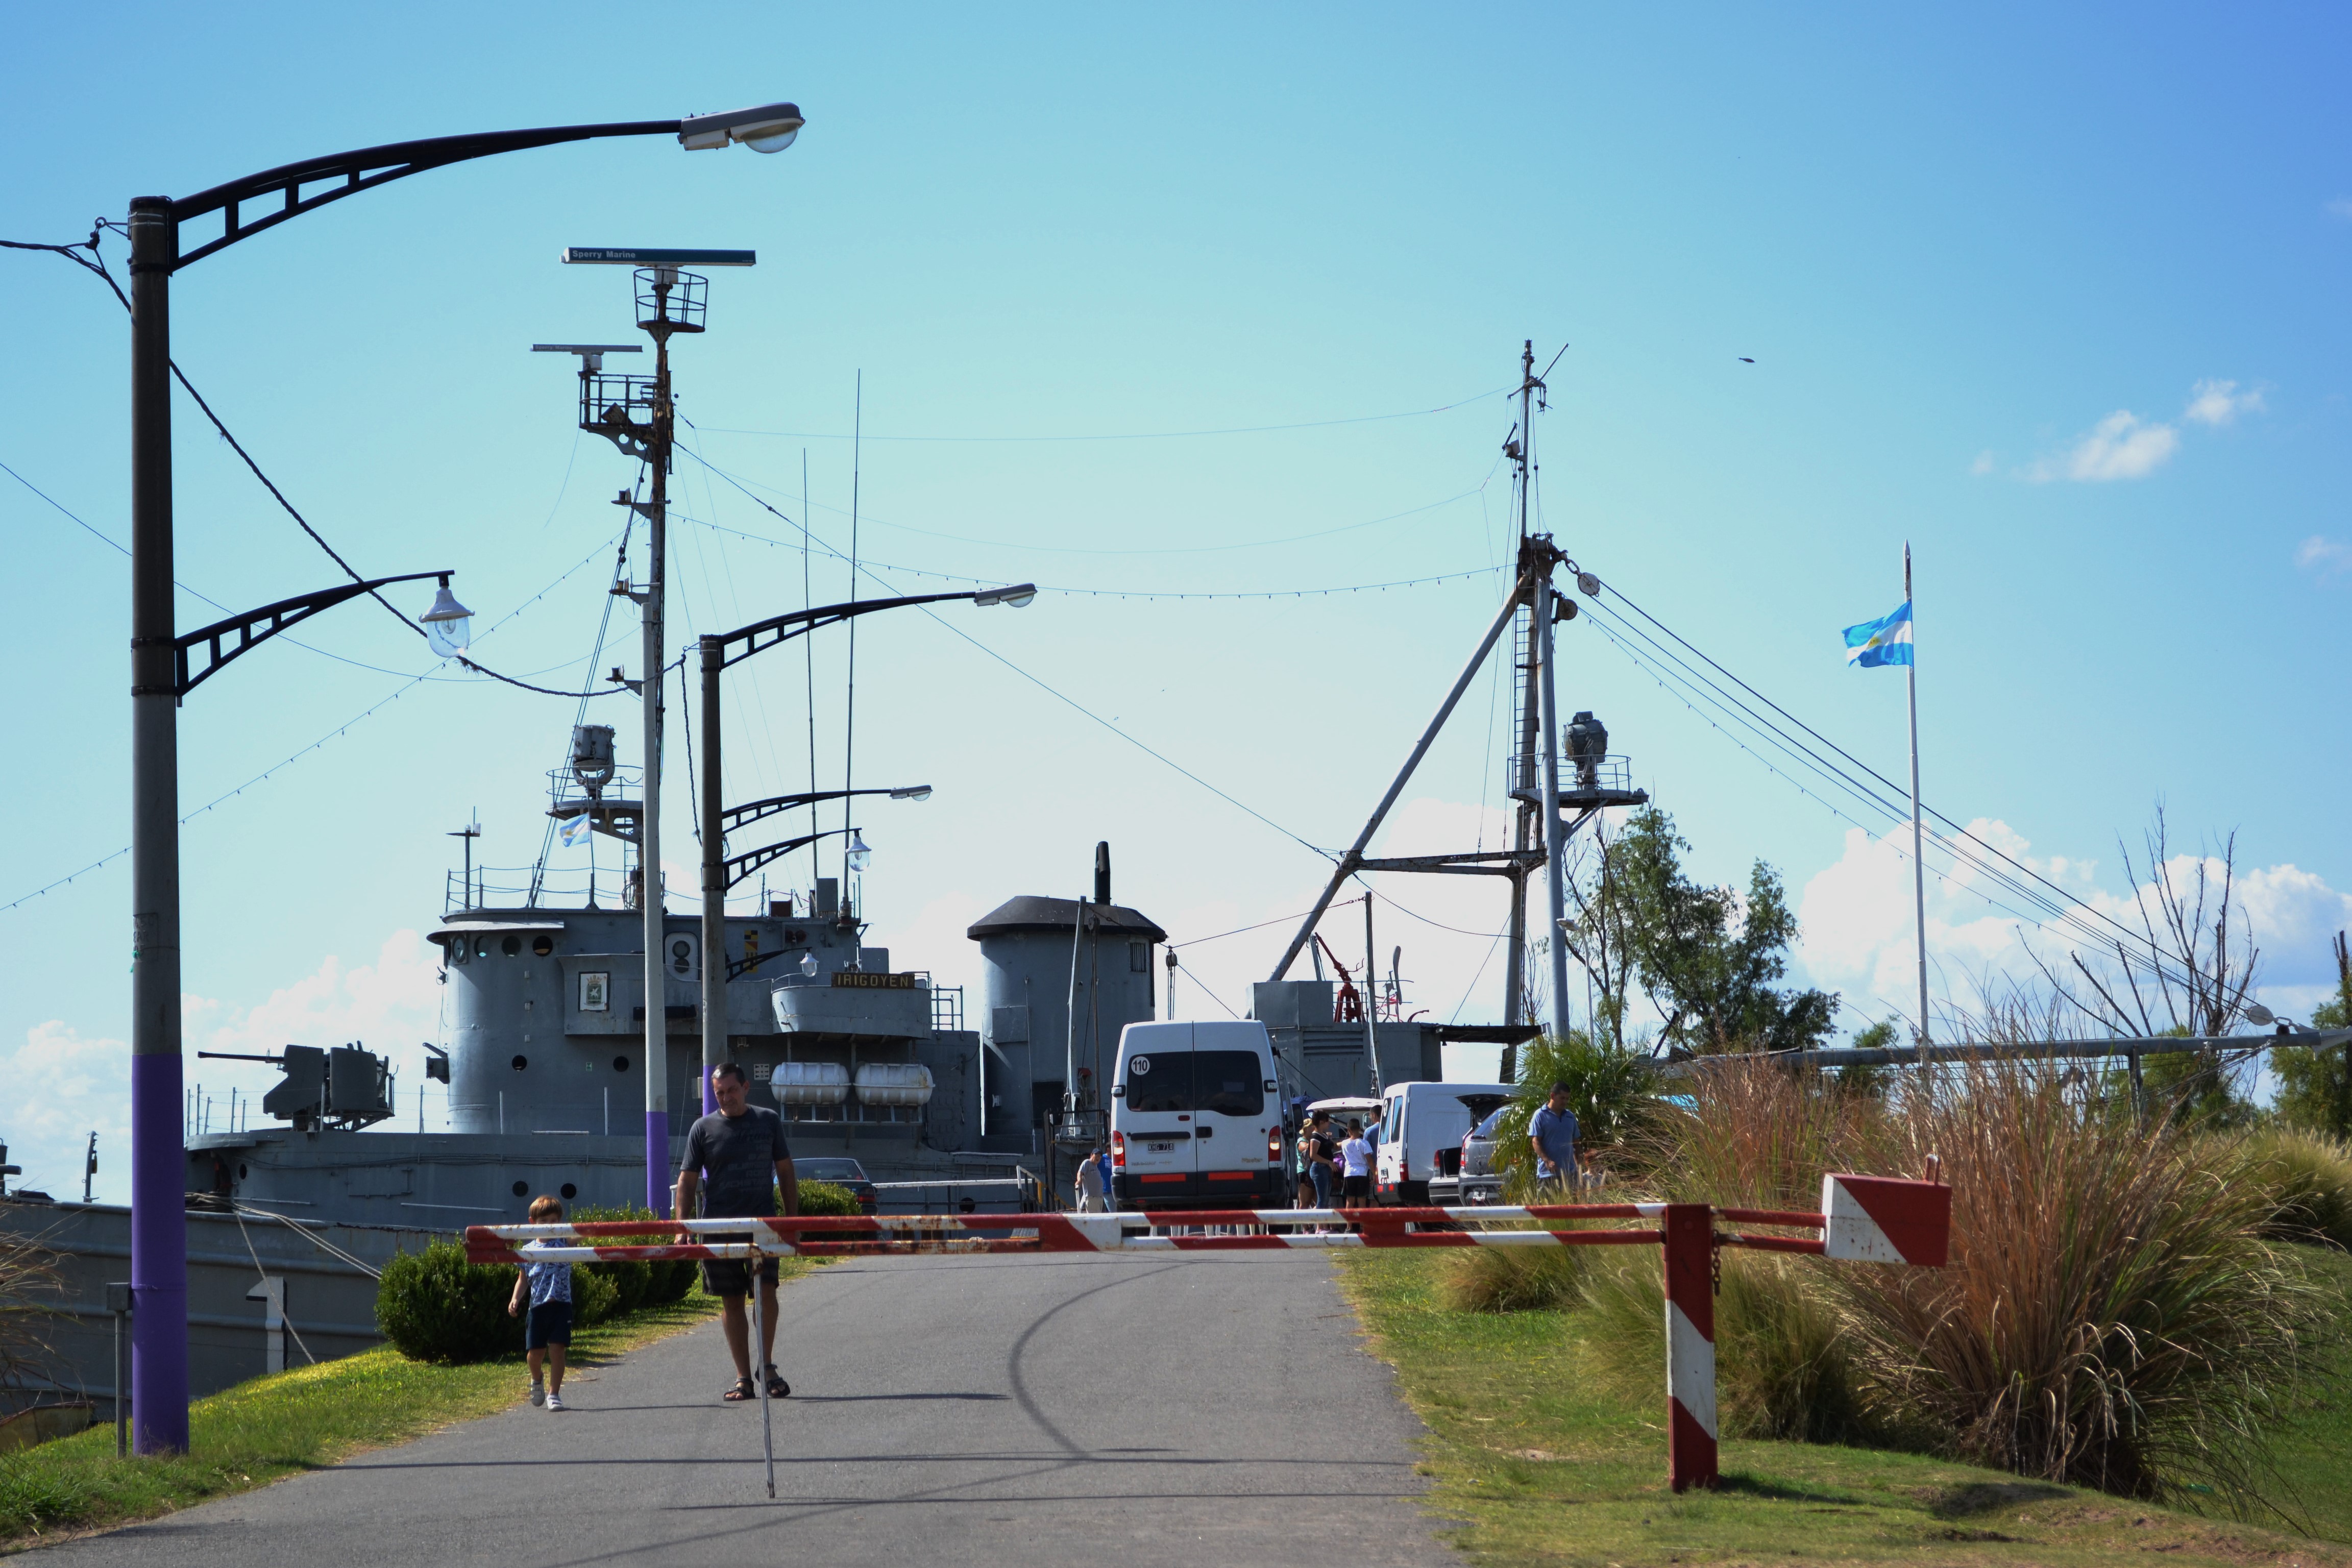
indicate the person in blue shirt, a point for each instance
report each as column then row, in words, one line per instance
column 547, row 1334
column 1551, row 1132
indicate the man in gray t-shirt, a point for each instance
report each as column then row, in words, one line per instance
column 736, row 1159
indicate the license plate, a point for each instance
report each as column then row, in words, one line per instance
column 1161, row 1148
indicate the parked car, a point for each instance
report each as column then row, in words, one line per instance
column 1481, row 1180
column 1421, row 1127
column 1193, row 1119
column 845, row 1173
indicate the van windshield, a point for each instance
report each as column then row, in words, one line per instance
column 1231, row 1083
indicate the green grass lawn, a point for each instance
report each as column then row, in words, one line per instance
column 271, row 1427
column 1540, row 1468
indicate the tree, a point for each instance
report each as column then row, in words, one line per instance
column 2314, row 1087
column 1707, row 957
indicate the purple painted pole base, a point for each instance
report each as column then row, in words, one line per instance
column 657, row 1192
column 159, row 1258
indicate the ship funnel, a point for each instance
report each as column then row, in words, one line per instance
column 591, row 756
column 1102, row 872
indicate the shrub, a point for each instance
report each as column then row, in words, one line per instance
column 2112, row 1317
column 594, row 1296
column 639, row 1284
column 2308, row 1182
column 1612, row 1089
column 1514, row 1278
column 824, row 1197
column 435, row 1306
column 1783, row 1369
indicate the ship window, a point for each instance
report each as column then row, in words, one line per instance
column 620, row 1064
column 1138, row 958
column 520, row 1063
column 240, row 1172
column 457, row 950
column 595, row 991
column 543, row 945
column 520, row 1188
column 570, row 1191
column 512, row 946
column 482, row 948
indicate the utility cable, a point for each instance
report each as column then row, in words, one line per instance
column 1134, row 436
column 97, row 264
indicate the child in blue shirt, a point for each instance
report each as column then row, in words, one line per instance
column 547, row 1333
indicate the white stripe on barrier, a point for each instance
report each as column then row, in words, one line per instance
column 1690, row 1369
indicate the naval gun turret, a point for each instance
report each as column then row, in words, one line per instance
column 345, row 1088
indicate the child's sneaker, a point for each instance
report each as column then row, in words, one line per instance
column 539, row 1393
column 555, row 1402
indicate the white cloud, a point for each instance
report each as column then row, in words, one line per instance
column 1984, row 463
column 2123, row 446
column 2322, row 557
column 2220, row 402
column 1857, row 924
column 2339, row 206
column 83, row 1086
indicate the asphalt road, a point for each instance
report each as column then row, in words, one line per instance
column 1110, row 1412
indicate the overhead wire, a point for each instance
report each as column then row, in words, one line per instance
column 1131, row 436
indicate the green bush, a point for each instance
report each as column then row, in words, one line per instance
column 1514, row 1278
column 824, row 1197
column 1782, row 1368
column 1612, row 1089
column 435, row 1306
column 639, row 1284
column 594, row 1296
column 2308, row 1181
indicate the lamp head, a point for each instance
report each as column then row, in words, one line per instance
column 2259, row 1015
column 1018, row 596
column 808, row 964
column 767, row 129
column 914, row 791
column 449, row 625
column 860, row 855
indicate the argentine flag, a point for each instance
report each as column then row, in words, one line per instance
column 1886, row 640
column 576, row 829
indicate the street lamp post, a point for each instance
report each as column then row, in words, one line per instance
column 718, row 653
column 159, row 1249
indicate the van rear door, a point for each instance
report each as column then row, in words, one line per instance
column 1234, row 1113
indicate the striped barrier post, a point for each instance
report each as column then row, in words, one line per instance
column 1867, row 1219
column 1690, row 1346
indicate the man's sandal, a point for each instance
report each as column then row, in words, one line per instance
column 743, row 1389
column 777, row 1387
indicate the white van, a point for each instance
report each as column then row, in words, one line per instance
column 1194, row 1119
column 1417, row 1121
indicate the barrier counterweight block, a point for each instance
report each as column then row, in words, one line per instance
column 1690, row 1346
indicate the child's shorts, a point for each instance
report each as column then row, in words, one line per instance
column 550, row 1325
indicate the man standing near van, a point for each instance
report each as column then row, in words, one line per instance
column 1551, row 1132
column 740, row 1151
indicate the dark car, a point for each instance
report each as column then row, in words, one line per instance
column 845, row 1173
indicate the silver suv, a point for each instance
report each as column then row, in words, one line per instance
column 1481, row 1181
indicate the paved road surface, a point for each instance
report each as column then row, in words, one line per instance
column 1110, row 1412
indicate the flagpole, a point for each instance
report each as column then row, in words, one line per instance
column 1919, row 865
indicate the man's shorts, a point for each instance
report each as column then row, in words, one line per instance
column 550, row 1325
column 732, row 1276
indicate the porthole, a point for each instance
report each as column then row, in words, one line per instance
column 570, row 1192
column 512, row 946
column 521, row 1188
column 482, row 948
column 240, row 1172
column 520, row 1063
column 543, row 945
column 620, row 1064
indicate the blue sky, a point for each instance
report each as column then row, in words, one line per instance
column 2058, row 298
